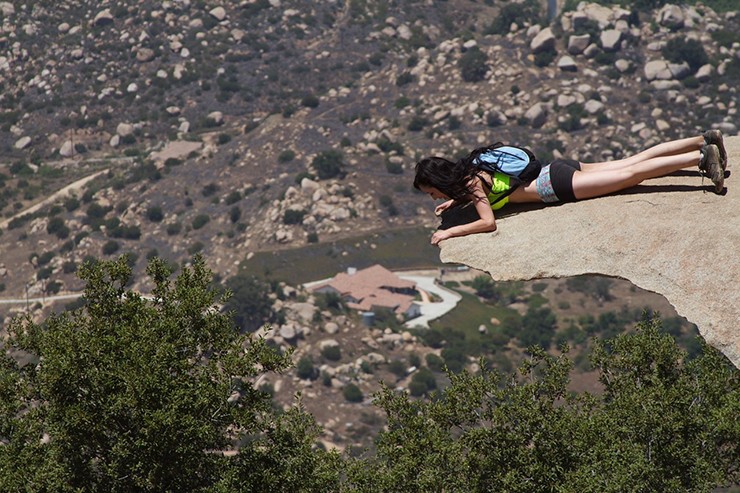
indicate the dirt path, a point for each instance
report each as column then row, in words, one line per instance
column 72, row 187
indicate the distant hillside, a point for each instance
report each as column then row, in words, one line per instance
column 309, row 117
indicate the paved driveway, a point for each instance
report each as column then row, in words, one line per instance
column 431, row 311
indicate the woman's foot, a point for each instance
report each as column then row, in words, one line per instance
column 710, row 164
column 715, row 137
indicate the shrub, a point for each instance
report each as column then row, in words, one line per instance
column 434, row 362
column 97, row 211
column 44, row 258
column 332, row 353
column 417, row 123
column 286, row 156
column 223, row 138
column 44, row 273
column 312, row 237
column 387, row 145
column 691, row 51
column 404, row 78
column 233, row 197
column 473, row 65
column 110, row 247
column 519, row 13
column 293, row 216
column 69, row 267
column 401, row 102
column 71, row 203
column 200, row 221
column 485, row 287
column 545, row 58
column 155, row 214
column 235, row 213
column 55, row 225
column 310, row 101
column 352, row 393
column 209, row 189
column 174, row 228
column 305, row 368
column 328, row 164
column 394, row 168
column 195, row 248
column 422, row 382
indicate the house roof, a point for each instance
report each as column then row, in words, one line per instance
column 371, row 287
column 366, row 281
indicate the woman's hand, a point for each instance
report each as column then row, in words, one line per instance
column 439, row 236
column 443, row 207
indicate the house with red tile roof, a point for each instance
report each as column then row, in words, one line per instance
column 372, row 289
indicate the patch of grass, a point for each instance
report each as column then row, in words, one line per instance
column 469, row 314
column 395, row 249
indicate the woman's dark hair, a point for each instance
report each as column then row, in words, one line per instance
column 453, row 179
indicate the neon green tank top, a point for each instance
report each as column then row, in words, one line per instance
column 499, row 186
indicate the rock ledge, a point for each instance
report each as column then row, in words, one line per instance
column 679, row 240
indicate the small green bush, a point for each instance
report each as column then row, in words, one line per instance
column 174, row 228
column 394, row 168
column 209, row 189
column 434, row 362
column 352, row 393
column 110, row 247
column 155, row 214
column 328, row 164
column 310, row 101
column 195, row 248
column 404, row 78
column 200, row 221
column 417, row 123
column 473, row 65
column 305, row 368
column 691, row 51
column 233, row 197
column 293, row 216
column 286, row 156
column 331, row 353
column 235, row 213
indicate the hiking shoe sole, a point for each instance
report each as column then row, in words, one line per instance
column 715, row 137
column 710, row 163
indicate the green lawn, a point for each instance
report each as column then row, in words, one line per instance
column 396, row 249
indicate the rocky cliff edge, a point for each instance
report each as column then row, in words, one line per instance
column 670, row 235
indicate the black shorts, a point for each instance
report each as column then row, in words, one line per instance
column 555, row 183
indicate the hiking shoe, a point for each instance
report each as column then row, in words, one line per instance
column 715, row 137
column 710, row 164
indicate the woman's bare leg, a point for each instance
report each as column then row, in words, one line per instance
column 595, row 183
column 671, row 148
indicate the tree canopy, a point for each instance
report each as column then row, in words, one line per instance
column 132, row 393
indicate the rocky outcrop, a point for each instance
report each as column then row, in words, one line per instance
column 670, row 235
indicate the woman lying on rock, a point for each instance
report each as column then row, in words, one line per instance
column 490, row 177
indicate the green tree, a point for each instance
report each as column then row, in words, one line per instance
column 250, row 303
column 473, row 65
column 485, row 287
column 678, row 50
column 305, row 368
column 328, row 164
column 662, row 424
column 538, row 327
column 133, row 394
column 352, row 393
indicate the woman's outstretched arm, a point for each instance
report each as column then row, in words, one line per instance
column 486, row 221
